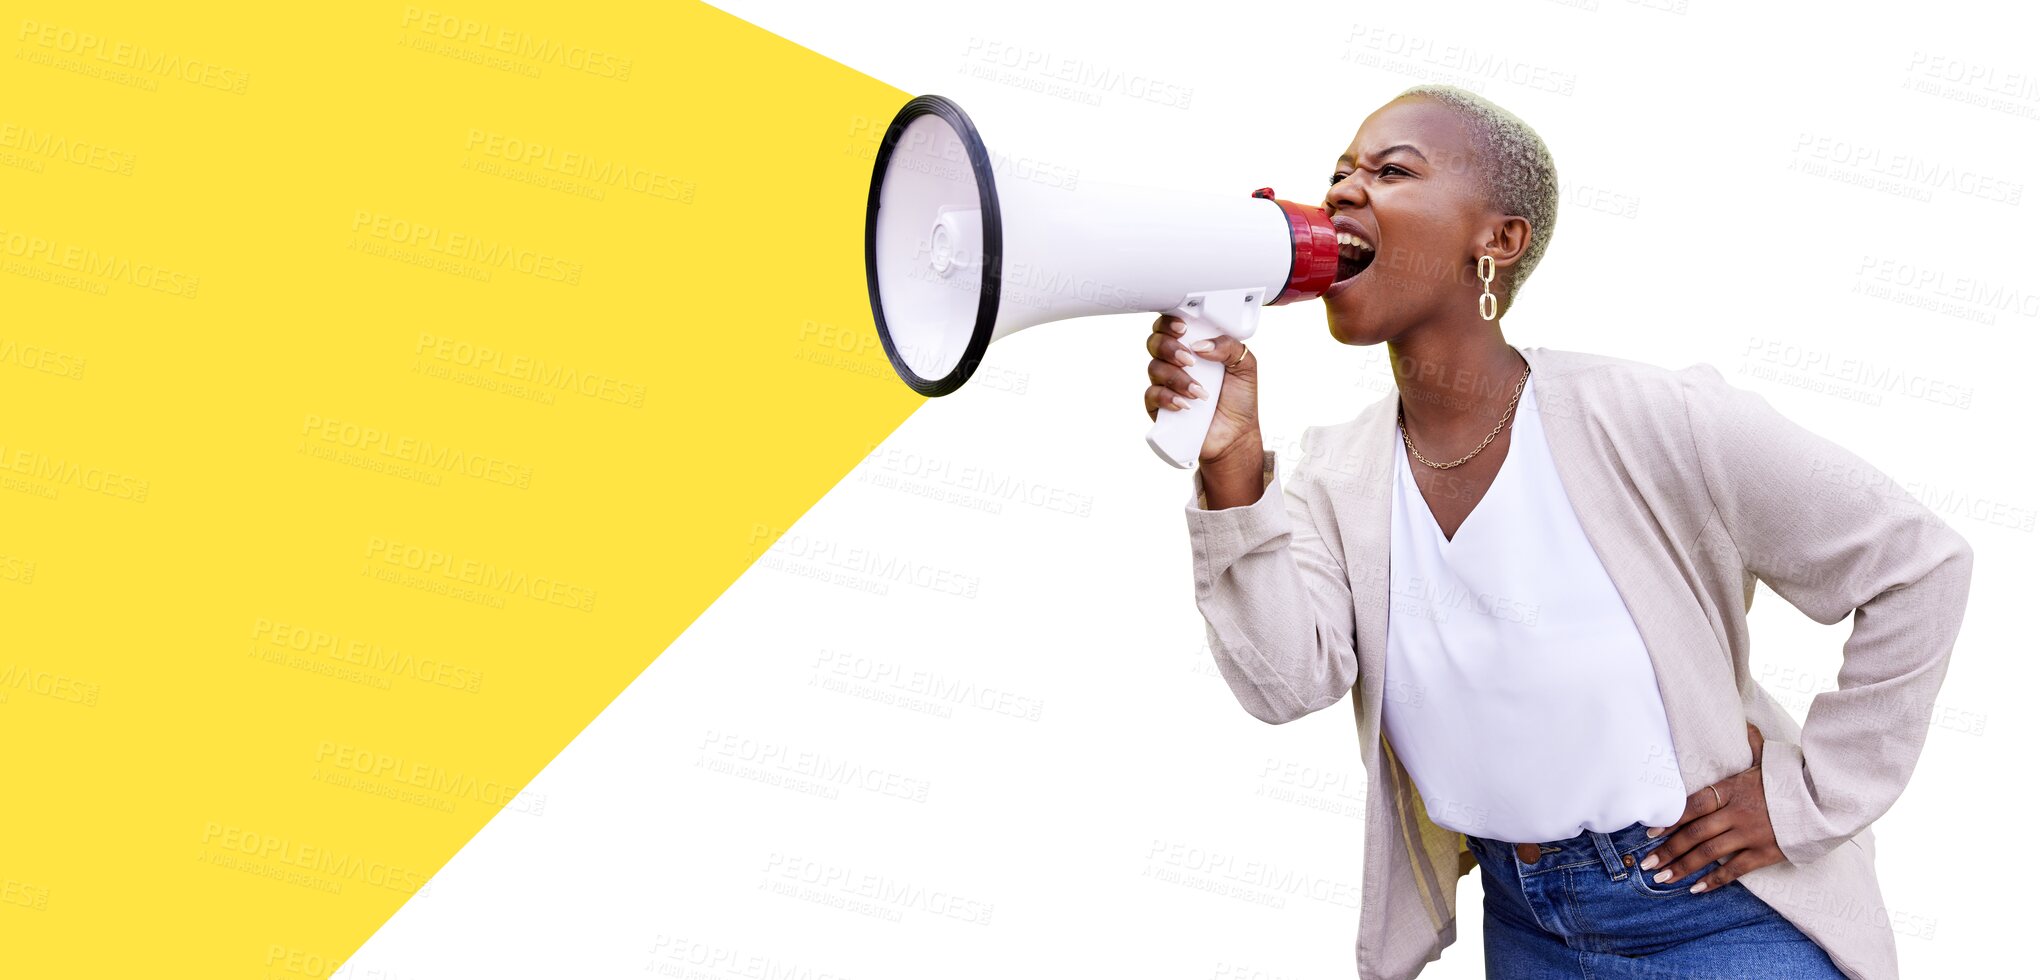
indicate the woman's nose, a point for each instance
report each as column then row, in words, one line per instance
column 1346, row 193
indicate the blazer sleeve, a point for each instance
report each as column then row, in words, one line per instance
column 1277, row 608
column 1833, row 536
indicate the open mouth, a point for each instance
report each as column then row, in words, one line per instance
column 1355, row 255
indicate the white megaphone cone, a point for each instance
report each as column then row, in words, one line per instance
column 957, row 256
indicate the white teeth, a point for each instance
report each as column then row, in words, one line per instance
column 1348, row 238
column 1345, row 239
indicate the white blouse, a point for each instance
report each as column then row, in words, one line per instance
column 1517, row 691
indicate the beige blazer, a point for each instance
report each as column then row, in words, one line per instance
column 1690, row 490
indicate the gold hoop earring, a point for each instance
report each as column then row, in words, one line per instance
column 1485, row 268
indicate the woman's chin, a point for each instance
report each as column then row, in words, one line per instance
column 1350, row 328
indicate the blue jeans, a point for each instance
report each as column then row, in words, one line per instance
column 1584, row 909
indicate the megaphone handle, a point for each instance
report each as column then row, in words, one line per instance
column 1178, row 434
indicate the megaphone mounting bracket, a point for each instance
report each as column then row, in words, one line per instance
column 1233, row 312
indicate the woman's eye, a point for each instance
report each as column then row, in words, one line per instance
column 1385, row 168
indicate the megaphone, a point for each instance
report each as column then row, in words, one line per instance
column 957, row 256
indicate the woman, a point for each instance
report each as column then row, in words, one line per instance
column 1532, row 568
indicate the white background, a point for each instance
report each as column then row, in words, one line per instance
column 1047, row 777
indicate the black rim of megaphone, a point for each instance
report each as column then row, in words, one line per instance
column 988, row 209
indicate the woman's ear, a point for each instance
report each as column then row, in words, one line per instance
column 1507, row 239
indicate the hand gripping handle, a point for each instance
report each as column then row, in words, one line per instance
column 1178, row 434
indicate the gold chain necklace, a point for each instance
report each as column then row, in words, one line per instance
column 1483, row 443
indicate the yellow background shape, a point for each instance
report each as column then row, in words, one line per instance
column 381, row 389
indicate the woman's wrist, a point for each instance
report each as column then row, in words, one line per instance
column 1233, row 478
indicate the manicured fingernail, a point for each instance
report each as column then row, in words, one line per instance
column 1698, row 886
column 1662, row 876
column 1649, row 863
column 1186, row 358
column 1178, row 401
column 1202, row 345
column 1653, row 831
column 1196, row 390
column 1175, row 326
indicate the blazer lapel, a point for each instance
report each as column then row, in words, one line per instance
column 1365, row 505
